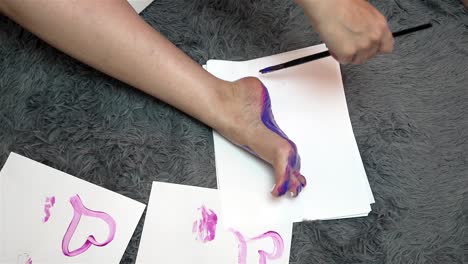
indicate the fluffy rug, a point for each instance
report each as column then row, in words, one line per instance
column 409, row 112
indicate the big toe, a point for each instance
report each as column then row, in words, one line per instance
column 288, row 179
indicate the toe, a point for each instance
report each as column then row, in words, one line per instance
column 300, row 178
column 288, row 178
column 288, row 182
column 281, row 187
column 283, row 177
column 297, row 183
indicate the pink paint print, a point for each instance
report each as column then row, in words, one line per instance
column 24, row 259
column 79, row 210
column 242, row 247
column 278, row 247
column 263, row 255
column 205, row 226
column 49, row 203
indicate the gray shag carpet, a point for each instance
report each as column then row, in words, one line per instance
column 409, row 112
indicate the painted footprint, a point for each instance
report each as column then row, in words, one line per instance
column 205, row 226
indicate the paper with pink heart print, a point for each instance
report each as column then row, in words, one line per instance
column 52, row 217
column 184, row 224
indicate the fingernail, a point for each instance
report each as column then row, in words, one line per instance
column 273, row 188
column 292, row 194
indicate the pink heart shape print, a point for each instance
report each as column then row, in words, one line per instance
column 79, row 210
column 278, row 248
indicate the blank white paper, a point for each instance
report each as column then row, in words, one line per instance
column 24, row 187
column 309, row 105
column 139, row 5
column 168, row 236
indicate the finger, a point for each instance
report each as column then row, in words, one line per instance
column 358, row 58
column 334, row 55
column 366, row 53
column 386, row 43
column 343, row 54
column 386, row 46
column 374, row 50
column 346, row 58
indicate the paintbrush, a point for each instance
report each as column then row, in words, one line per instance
column 326, row 53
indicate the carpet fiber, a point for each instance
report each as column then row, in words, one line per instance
column 409, row 112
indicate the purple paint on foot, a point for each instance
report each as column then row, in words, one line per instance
column 50, row 202
column 79, row 210
column 205, row 226
column 278, row 246
column 294, row 160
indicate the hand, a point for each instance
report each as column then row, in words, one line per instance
column 353, row 30
column 249, row 123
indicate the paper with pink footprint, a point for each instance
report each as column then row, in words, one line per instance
column 184, row 224
column 52, row 217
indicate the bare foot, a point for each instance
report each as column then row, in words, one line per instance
column 465, row 3
column 251, row 125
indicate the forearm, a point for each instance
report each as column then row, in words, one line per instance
column 109, row 36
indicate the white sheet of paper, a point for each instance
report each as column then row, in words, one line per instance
column 139, row 5
column 168, row 238
column 24, row 186
column 309, row 104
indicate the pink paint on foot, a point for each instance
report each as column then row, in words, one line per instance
column 205, row 227
column 29, row 261
column 49, row 203
column 79, row 210
column 278, row 247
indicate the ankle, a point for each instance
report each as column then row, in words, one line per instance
column 222, row 116
column 237, row 116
